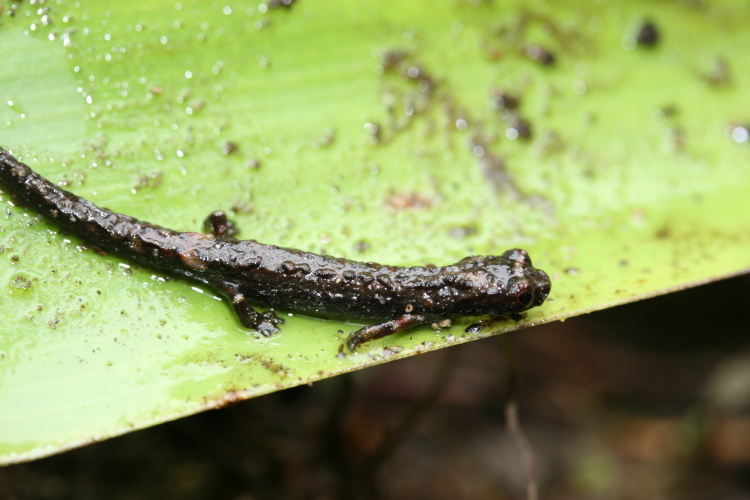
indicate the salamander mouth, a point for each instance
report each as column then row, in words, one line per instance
column 543, row 284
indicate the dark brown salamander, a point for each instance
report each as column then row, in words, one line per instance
column 284, row 278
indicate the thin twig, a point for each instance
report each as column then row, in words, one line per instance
column 514, row 425
column 409, row 422
column 333, row 439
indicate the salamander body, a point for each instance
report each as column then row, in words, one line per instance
column 247, row 271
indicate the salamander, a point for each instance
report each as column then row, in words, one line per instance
column 392, row 298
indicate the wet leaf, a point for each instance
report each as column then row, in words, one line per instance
column 369, row 130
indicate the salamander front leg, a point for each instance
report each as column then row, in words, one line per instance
column 218, row 224
column 265, row 322
column 380, row 330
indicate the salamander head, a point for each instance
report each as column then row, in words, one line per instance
column 527, row 286
column 502, row 284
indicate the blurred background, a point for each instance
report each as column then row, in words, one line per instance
column 644, row 401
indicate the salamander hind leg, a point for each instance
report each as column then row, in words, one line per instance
column 264, row 322
column 384, row 329
column 218, row 225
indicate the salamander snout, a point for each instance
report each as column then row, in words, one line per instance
column 542, row 285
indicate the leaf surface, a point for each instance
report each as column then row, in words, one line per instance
column 368, row 130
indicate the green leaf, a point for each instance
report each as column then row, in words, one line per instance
column 357, row 129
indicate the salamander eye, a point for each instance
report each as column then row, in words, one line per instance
column 525, row 297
